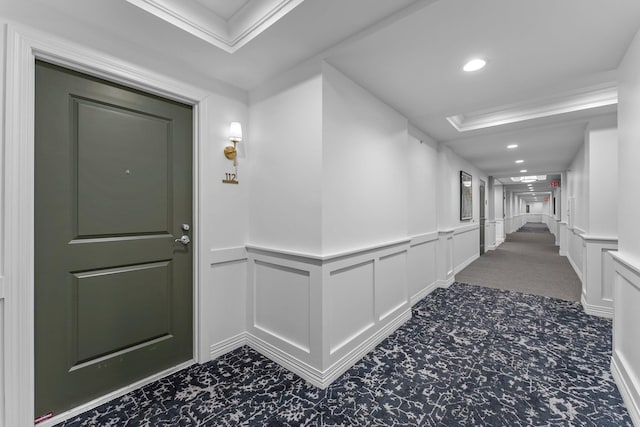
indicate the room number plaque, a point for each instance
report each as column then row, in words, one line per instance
column 230, row 178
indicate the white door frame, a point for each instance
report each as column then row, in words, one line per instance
column 23, row 47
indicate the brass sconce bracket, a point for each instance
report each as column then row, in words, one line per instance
column 231, row 153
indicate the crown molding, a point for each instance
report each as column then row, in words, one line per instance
column 583, row 100
column 229, row 35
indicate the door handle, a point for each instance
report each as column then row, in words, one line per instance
column 185, row 240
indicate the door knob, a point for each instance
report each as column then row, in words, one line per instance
column 184, row 240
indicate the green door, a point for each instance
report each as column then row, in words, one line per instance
column 113, row 188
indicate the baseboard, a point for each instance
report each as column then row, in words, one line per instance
column 446, row 283
column 629, row 390
column 575, row 268
column 227, row 345
column 562, row 253
column 423, row 293
column 322, row 379
column 492, row 247
column 113, row 395
column 596, row 310
column 298, row 367
column 499, row 242
column 464, row 264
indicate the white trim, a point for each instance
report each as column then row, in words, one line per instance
column 225, row 346
column 628, row 389
column 465, row 263
column 113, row 395
column 229, row 35
column 445, row 284
column 594, row 238
column 586, row 99
column 323, row 379
column 420, row 239
column 23, row 46
column 227, row 255
column 596, row 310
column 418, row 296
column 629, row 263
column 575, row 268
column 465, row 229
column 328, row 257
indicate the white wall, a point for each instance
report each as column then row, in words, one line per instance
column 365, row 167
column 286, row 175
column 603, row 186
column 626, row 345
column 576, row 177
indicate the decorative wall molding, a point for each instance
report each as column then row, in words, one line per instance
column 323, row 378
column 575, row 253
column 426, row 291
column 563, row 233
column 587, row 98
column 227, row 255
column 464, row 264
column 323, row 258
column 229, row 35
column 225, row 346
column 626, row 353
column 316, row 315
column 629, row 389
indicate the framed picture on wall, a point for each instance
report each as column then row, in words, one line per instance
column 466, row 197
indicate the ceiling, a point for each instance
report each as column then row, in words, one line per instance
column 551, row 65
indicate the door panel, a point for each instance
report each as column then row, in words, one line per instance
column 113, row 185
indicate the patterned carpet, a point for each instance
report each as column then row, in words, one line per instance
column 470, row 356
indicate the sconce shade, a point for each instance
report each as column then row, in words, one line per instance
column 235, row 132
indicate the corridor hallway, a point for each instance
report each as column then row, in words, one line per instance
column 528, row 262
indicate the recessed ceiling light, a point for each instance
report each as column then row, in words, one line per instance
column 519, row 161
column 523, row 171
column 512, row 146
column 474, row 65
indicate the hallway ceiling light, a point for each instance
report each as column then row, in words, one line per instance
column 474, row 65
column 512, row 146
column 519, row 161
column 523, row 171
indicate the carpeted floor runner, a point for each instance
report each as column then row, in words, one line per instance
column 526, row 262
column 469, row 356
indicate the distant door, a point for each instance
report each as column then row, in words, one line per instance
column 113, row 186
column 482, row 215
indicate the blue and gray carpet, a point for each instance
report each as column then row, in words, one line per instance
column 470, row 356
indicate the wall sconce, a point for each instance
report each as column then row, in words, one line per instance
column 235, row 136
column 231, row 153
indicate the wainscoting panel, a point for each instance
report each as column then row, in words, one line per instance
column 466, row 246
column 391, row 284
column 576, row 250
column 351, row 306
column 490, row 236
column 422, row 266
column 563, row 232
column 625, row 363
column 500, row 236
column 597, row 277
column 318, row 315
column 223, row 301
column 282, row 303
